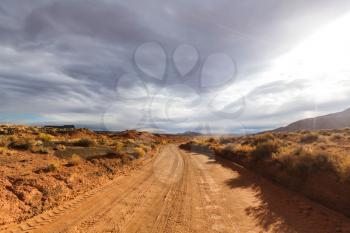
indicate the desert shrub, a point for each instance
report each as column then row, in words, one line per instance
column 323, row 146
column 282, row 135
column 38, row 143
column 163, row 142
column 336, row 137
column 53, row 166
column 139, row 152
column 215, row 148
column 265, row 150
column 5, row 150
column 74, row 160
column 186, row 146
column 60, row 147
column 309, row 138
column 146, row 148
column 4, row 141
column 45, row 137
column 20, row 143
column 84, row 142
column 261, row 138
column 237, row 151
column 131, row 141
column 211, row 140
column 225, row 140
column 229, row 147
column 243, row 149
column 343, row 167
column 39, row 150
column 325, row 133
column 197, row 146
column 304, row 131
column 102, row 141
column 119, row 146
column 125, row 158
column 304, row 161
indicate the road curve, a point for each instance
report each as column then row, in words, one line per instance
column 184, row 192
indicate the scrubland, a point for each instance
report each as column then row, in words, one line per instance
column 43, row 167
column 314, row 163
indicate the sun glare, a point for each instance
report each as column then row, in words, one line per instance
column 322, row 60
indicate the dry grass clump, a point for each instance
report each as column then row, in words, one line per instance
column 4, row 141
column 211, row 140
column 139, row 152
column 39, row 150
column 45, row 137
column 146, row 148
column 325, row 132
column 5, row 150
column 336, row 137
column 309, row 138
column 265, row 150
column 131, row 141
column 259, row 138
column 236, row 150
column 21, row 143
column 51, row 167
column 225, row 140
column 245, row 149
column 201, row 147
column 74, row 160
column 60, row 147
column 84, row 142
column 307, row 160
column 119, row 146
column 102, row 141
column 303, row 160
column 288, row 149
column 343, row 166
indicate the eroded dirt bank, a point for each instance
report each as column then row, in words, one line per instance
column 41, row 168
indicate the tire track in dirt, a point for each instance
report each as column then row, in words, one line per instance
column 81, row 207
column 166, row 170
column 212, row 200
column 181, row 192
column 174, row 198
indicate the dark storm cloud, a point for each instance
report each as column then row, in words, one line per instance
column 96, row 19
column 62, row 59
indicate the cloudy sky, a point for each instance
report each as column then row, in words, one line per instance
column 212, row 66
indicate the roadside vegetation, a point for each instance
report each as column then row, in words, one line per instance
column 315, row 163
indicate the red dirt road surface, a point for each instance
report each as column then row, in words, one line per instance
column 178, row 191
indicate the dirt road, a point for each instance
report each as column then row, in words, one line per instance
column 179, row 191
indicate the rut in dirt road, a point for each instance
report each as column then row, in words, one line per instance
column 178, row 191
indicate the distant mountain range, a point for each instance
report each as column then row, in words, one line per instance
column 336, row 120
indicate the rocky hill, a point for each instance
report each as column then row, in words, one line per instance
column 336, row 120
